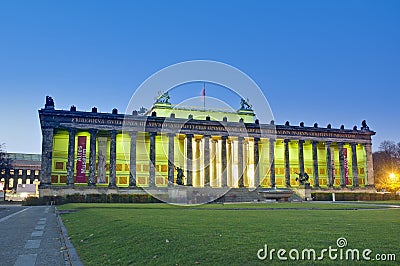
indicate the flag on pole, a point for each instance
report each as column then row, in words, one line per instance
column 203, row 94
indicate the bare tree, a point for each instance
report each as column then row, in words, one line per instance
column 5, row 161
column 5, row 164
column 387, row 166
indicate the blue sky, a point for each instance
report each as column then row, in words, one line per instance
column 332, row 62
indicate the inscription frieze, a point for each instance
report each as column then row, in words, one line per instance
column 203, row 127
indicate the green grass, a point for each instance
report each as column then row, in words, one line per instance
column 229, row 234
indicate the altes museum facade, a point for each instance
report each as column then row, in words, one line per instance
column 211, row 149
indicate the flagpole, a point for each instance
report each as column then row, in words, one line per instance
column 204, row 96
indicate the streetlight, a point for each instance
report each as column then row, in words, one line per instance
column 392, row 176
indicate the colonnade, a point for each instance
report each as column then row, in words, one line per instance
column 216, row 161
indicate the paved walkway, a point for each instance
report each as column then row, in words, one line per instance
column 30, row 236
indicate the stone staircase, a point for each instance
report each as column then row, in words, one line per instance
column 240, row 195
column 246, row 195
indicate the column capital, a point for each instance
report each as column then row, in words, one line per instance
column 240, row 138
column 367, row 144
column 132, row 133
column 72, row 130
column 93, row 131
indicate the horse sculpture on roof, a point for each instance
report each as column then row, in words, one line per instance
column 162, row 97
column 245, row 105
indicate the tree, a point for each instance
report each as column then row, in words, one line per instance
column 387, row 166
column 5, row 163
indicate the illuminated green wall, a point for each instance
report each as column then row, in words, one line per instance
column 279, row 163
column 265, row 164
column 165, row 110
column 60, row 159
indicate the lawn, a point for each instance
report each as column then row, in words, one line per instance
column 229, row 234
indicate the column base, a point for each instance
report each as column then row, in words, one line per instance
column 44, row 185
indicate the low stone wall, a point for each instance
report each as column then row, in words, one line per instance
column 64, row 191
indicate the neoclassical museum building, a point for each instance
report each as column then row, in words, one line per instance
column 211, row 149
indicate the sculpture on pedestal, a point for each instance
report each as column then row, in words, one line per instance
column 179, row 176
column 303, row 179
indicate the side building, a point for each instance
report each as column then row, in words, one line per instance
column 87, row 151
column 24, row 169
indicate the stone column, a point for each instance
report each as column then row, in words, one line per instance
column 113, row 159
column 272, row 162
column 206, row 139
column 370, row 167
column 197, row 161
column 214, row 161
column 92, row 158
column 287, row 162
column 71, row 156
column 301, row 157
column 229, row 163
column 152, row 168
column 223, row 162
column 245, row 161
column 354, row 164
column 240, row 161
column 315, row 162
column 189, row 160
column 47, row 155
column 171, row 158
column 329, row 164
column 256, row 163
column 341, row 165
column 132, row 160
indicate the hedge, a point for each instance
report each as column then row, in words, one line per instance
column 353, row 196
column 91, row 198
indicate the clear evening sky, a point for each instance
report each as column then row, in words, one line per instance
column 332, row 62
